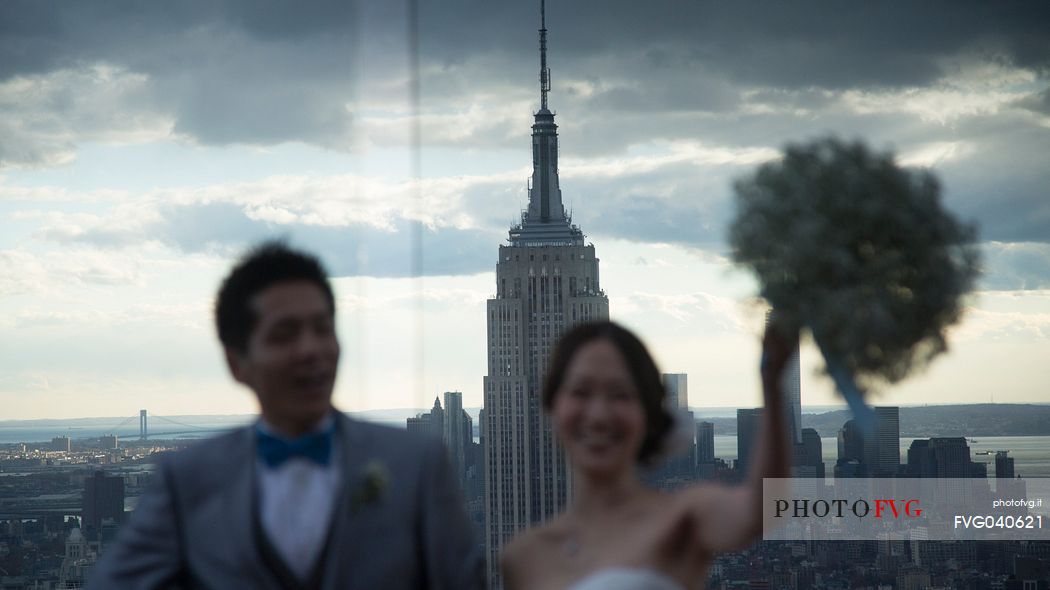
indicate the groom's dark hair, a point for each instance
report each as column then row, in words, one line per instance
column 264, row 265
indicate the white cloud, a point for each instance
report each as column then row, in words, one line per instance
column 667, row 154
column 47, row 115
column 23, row 273
column 931, row 154
column 971, row 88
column 728, row 314
column 56, row 273
column 999, row 326
column 329, row 201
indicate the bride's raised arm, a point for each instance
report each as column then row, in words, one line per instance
column 729, row 517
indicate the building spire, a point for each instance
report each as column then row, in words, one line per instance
column 545, row 72
column 545, row 221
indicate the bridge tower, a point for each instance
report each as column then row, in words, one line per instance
column 143, row 425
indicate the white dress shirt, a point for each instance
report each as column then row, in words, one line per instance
column 296, row 502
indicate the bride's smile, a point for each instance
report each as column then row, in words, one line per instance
column 597, row 412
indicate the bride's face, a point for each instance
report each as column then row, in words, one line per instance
column 597, row 413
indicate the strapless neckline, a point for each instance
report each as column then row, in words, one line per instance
column 626, row 578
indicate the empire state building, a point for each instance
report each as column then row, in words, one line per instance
column 546, row 282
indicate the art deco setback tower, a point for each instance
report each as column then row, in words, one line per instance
column 546, row 281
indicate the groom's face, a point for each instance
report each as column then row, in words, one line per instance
column 292, row 354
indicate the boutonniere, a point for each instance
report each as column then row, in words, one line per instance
column 373, row 484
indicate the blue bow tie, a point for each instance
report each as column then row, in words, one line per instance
column 274, row 450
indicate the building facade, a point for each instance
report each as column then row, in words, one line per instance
column 809, row 461
column 677, row 387
column 791, row 387
column 705, row 442
column 1004, row 465
column 883, row 454
column 546, row 281
column 430, row 423
column 682, row 466
column 458, row 434
column 748, row 421
column 61, row 443
column 103, row 499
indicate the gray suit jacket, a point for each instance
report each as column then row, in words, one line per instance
column 194, row 529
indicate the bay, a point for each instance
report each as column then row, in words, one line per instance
column 1031, row 454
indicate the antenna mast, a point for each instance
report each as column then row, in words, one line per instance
column 545, row 72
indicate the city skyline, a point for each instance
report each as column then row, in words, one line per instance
column 138, row 159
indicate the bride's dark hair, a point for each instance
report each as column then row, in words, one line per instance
column 640, row 365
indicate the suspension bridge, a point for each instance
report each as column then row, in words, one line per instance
column 172, row 427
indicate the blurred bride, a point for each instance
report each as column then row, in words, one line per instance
column 606, row 402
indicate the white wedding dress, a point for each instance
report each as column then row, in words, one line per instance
column 622, row 578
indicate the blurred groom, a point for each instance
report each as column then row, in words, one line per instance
column 305, row 498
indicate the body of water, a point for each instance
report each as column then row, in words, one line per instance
column 40, row 433
column 1031, row 454
column 37, row 431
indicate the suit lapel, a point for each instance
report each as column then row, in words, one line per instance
column 347, row 516
column 241, row 503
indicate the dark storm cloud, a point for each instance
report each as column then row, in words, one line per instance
column 226, row 72
column 1003, row 184
column 790, row 44
column 268, row 71
column 625, row 74
column 1039, row 103
column 38, row 36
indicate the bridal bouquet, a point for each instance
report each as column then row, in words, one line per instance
column 861, row 252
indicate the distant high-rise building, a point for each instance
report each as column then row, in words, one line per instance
column 978, row 469
column 1004, row 465
column 809, row 455
column 705, row 442
column 108, row 442
column 546, row 281
column 457, row 433
column 103, row 498
column 79, row 559
column 431, row 423
column 846, row 468
column 61, row 443
column 677, row 387
column 947, row 457
column 747, row 423
column 883, row 454
column 851, row 454
column 418, row 423
column 850, row 442
column 791, row 387
column 920, row 459
column 437, row 419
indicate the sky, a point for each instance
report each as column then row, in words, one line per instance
column 145, row 145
